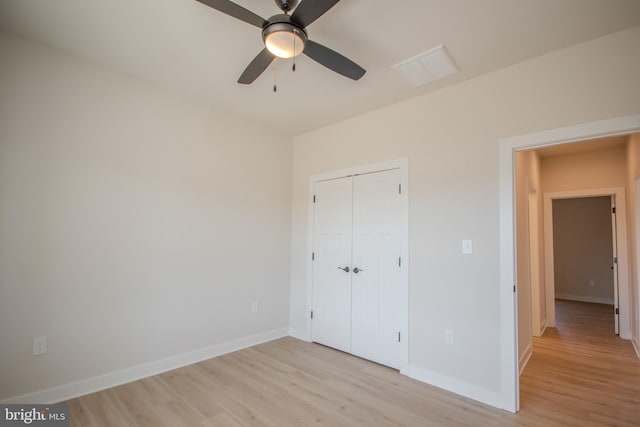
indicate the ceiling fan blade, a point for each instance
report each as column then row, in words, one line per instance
column 237, row 11
column 256, row 67
column 333, row 60
column 310, row 10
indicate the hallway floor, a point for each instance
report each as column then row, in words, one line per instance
column 581, row 372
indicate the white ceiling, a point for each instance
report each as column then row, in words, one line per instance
column 194, row 50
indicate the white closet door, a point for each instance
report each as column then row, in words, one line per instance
column 376, row 278
column 331, row 323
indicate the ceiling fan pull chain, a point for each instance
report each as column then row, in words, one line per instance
column 294, row 57
column 275, row 77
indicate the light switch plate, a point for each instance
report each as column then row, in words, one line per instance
column 39, row 345
column 449, row 336
column 467, row 247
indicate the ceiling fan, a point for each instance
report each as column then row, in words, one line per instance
column 285, row 36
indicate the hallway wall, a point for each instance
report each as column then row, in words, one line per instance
column 633, row 217
column 589, row 170
column 528, row 186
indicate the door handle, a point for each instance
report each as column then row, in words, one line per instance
column 357, row 270
column 345, row 269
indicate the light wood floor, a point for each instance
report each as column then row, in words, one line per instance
column 581, row 372
column 579, row 375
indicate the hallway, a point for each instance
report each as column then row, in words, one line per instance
column 581, row 373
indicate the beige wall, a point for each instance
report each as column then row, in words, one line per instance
column 134, row 225
column 583, row 249
column 584, row 171
column 633, row 217
column 528, row 201
column 523, row 188
column 451, row 139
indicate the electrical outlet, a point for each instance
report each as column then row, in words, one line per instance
column 449, row 336
column 254, row 307
column 592, row 282
column 39, row 345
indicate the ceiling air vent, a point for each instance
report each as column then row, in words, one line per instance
column 427, row 67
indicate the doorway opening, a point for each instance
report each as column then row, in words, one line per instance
column 508, row 269
column 578, row 258
column 581, row 249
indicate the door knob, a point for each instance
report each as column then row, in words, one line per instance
column 345, row 269
column 357, row 270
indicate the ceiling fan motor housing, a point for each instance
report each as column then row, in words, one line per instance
column 287, row 5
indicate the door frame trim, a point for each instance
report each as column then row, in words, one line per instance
column 507, row 147
column 403, row 165
column 623, row 256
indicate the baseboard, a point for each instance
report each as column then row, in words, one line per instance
column 300, row 334
column 489, row 397
column 543, row 327
column 525, row 357
column 583, row 298
column 113, row 379
column 636, row 347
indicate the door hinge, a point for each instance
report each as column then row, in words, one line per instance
column 617, row 310
column 399, row 262
column 312, row 314
column 314, row 198
column 514, row 289
column 398, row 336
column 615, row 259
column 399, row 188
column 313, row 256
column 613, row 209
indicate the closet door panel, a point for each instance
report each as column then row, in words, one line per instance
column 376, row 279
column 333, row 234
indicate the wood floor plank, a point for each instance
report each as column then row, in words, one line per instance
column 580, row 374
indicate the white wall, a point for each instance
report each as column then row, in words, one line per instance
column 134, row 225
column 451, row 139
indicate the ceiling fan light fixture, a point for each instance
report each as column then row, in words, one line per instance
column 285, row 36
column 284, row 40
